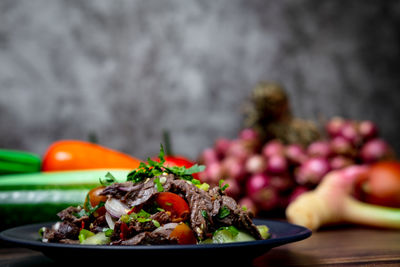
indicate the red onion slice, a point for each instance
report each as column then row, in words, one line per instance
column 115, row 207
column 110, row 221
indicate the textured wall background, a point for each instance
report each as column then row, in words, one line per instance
column 126, row 70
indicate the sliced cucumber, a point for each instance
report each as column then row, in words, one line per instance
column 97, row 239
column 231, row 234
column 264, row 231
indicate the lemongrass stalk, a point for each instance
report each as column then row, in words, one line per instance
column 362, row 213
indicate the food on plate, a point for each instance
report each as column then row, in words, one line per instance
column 156, row 205
column 80, row 155
column 331, row 203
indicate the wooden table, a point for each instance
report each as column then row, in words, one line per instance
column 350, row 246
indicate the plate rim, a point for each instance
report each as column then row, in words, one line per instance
column 272, row 242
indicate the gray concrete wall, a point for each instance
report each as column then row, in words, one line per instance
column 126, row 70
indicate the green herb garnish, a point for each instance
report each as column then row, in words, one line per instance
column 159, row 186
column 87, row 208
column 156, row 168
column 223, row 186
column 108, row 179
column 223, row 212
column 204, row 214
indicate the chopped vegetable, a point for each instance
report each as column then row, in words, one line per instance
column 264, row 231
column 175, row 204
column 96, row 201
column 100, row 238
column 183, row 234
column 230, row 234
column 84, row 234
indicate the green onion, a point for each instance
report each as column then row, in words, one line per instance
column 156, row 223
column 159, row 186
column 221, row 186
column 108, row 232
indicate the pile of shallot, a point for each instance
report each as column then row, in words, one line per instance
column 267, row 177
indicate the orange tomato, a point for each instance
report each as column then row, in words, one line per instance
column 95, row 198
column 80, row 155
column 175, row 204
column 183, row 234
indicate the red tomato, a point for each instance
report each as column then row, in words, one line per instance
column 183, row 234
column 383, row 184
column 175, row 204
column 95, row 198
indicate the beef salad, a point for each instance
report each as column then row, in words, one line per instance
column 155, row 205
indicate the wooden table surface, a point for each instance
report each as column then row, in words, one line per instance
column 339, row 246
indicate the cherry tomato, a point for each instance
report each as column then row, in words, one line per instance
column 383, row 184
column 95, row 199
column 175, row 204
column 183, row 234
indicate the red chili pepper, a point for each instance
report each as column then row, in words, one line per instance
column 124, row 231
column 82, row 225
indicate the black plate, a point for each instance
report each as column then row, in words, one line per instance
column 281, row 233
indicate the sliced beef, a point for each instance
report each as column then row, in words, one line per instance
column 200, row 204
column 98, row 224
column 70, row 214
column 61, row 230
column 146, row 190
column 119, row 190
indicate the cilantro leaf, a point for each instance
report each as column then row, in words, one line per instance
column 107, row 180
column 155, row 168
